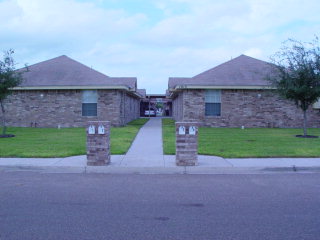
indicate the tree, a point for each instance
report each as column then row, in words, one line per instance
column 297, row 74
column 9, row 78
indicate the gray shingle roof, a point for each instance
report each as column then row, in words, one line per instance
column 240, row 71
column 64, row 71
column 174, row 81
column 142, row 92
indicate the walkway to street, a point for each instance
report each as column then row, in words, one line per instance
column 146, row 149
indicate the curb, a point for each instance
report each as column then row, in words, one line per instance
column 160, row 170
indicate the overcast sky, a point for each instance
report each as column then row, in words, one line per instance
column 153, row 40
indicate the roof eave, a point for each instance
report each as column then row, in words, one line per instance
column 119, row 87
column 181, row 87
column 135, row 94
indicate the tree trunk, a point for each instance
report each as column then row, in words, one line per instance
column 4, row 127
column 304, row 122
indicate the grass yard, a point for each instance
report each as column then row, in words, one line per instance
column 53, row 142
column 250, row 142
column 168, row 136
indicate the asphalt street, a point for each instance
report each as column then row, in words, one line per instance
column 143, row 207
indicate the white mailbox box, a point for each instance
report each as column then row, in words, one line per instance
column 182, row 130
column 101, row 129
column 192, row 130
column 91, row 129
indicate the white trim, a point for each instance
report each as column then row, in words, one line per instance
column 130, row 91
column 178, row 88
column 71, row 87
column 181, row 87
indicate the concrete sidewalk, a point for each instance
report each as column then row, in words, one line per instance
column 146, row 149
column 207, row 165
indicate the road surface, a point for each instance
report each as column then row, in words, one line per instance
column 143, row 207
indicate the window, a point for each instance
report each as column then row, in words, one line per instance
column 213, row 102
column 89, row 102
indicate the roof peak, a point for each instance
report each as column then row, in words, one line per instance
column 65, row 71
column 251, row 58
column 240, row 71
column 231, row 61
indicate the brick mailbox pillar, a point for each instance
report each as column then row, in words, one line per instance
column 98, row 143
column 186, row 144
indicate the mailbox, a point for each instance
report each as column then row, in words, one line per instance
column 98, row 143
column 101, row 129
column 182, row 130
column 91, row 129
column 186, row 143
column 192, row 130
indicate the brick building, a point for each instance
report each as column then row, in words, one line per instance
column 63, row 92
column 235, row 94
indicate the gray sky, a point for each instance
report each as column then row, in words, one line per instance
column 153, row 40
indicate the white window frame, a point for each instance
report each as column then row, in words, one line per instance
column 212, row 96
column 87, row 99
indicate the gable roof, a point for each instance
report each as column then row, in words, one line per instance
column 242, row 71
column 64, row 72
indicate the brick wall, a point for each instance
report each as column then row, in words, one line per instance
column 130, row 108
column 249, row 108
column 50, row 108
column 193, row 105
column 177, row 109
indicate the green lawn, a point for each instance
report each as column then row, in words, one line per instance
column 250, row 142
column 53, row 142
column 168, row 136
